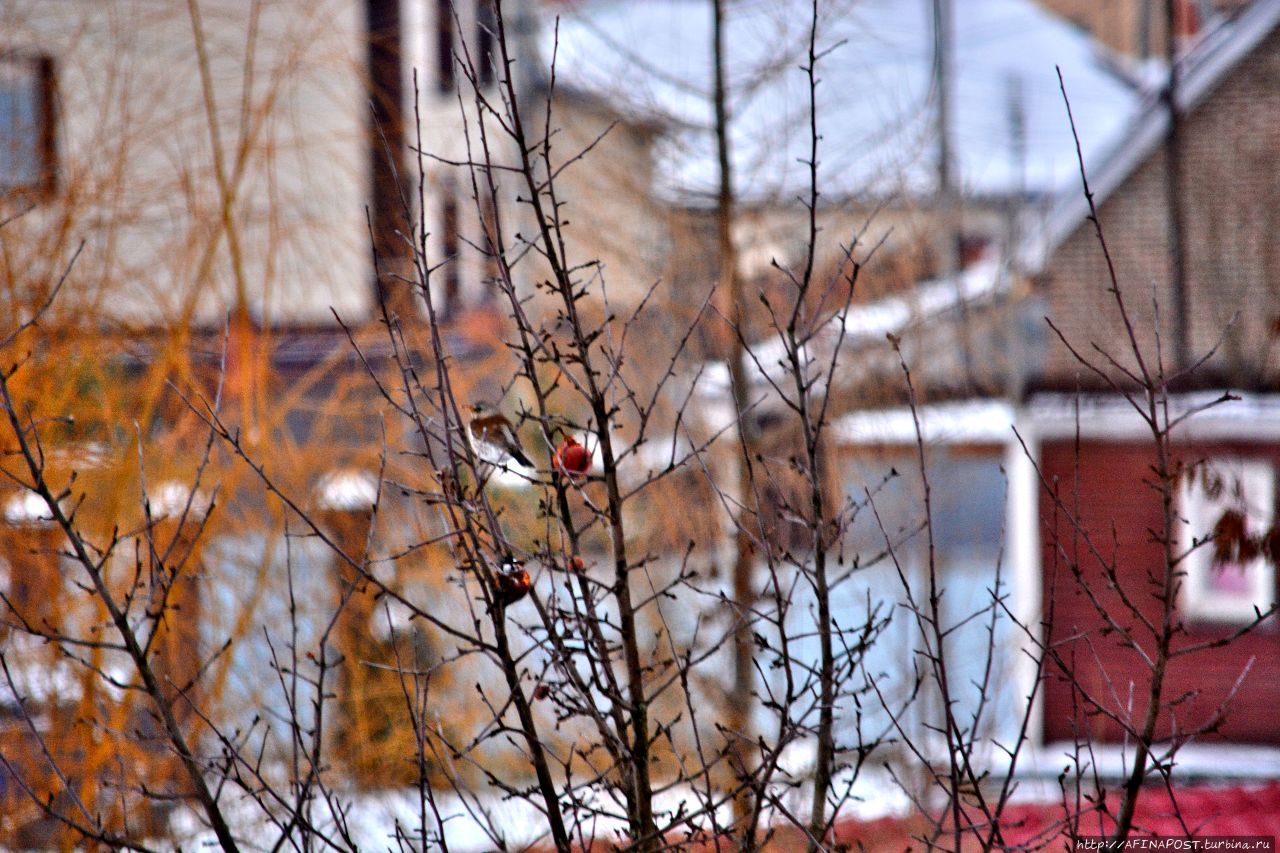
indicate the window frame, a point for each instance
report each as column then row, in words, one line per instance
column 1199, row 512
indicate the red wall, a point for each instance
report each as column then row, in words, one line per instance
column 1120, row 511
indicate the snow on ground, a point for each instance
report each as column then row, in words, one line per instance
column 26, row 508
column 373, row 817
column 376, row 819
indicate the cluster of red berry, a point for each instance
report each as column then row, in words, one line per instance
column 495, row 440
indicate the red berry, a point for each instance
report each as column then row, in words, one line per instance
column 571, row 458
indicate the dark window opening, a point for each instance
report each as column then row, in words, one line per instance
column 445, row 75
column 28, row 149
column 486, row 36
column 449, row 240
column 386, row 137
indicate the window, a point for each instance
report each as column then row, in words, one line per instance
column 27, row 149
column 1229, row 506
column 445, row 79
column 453, row 22
column 968, row 499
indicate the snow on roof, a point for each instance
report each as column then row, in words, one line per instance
column 961, row 422
column 976, row 284
column 874, row 100
column 26, row 508
column 1203, row 416
column 347, row 490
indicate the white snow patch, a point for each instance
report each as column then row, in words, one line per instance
column 38, row 674
column 347, row 490
column 390, row 617
column 965, row 422
column 27, row 508
column 172, row 498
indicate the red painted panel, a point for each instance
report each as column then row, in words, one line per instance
column 1110, row 492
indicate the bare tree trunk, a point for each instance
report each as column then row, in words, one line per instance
column 812, row 414
column 730, row 289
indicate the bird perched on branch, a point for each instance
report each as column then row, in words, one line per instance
column 512, row 582
column 493, row 438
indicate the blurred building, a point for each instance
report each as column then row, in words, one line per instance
column 1190, row 250
column 1136, row 28
column 1192, row 238
column 250, row 180
column 241, row 188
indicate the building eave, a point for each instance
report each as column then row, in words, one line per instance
column 1200, row 416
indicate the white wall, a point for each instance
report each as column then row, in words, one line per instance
column 138, row 174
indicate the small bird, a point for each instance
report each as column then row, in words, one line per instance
column 512, row 581
column 493, row 438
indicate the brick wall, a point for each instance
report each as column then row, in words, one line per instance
column 1231, row 198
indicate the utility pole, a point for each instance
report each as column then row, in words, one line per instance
column 1173, row 197
column 942, row 37
column 1016, row 110
column 1144, row 29
column 741, row 694
column 947, row 240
